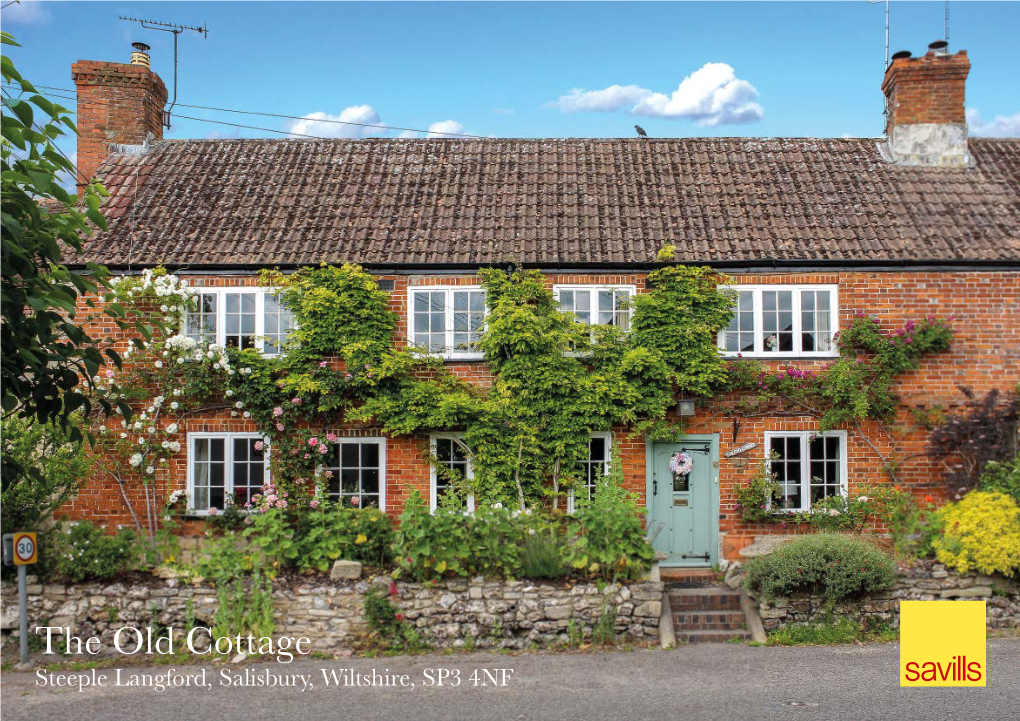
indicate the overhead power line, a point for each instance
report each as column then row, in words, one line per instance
column 288, row 117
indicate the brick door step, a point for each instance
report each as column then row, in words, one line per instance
column 712, row 636
column 684, row 600
column 709, row 621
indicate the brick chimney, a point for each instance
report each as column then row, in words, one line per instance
column 925, row 118
column 117, row 103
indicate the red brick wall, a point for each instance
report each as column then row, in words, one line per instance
column 926, row 89
column 117, row 103
column 985, row 355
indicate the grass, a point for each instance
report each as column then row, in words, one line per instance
column 840, row 632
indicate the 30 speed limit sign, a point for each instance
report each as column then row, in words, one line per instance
column 25, row 549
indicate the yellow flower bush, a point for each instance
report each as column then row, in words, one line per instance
column 981, row 533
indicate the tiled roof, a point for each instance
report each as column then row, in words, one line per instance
column 267, row 202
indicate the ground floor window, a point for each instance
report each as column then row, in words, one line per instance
column 224, row 466
column 451, row 465
column 809, row 466
column 357, row 472
column 593, row 468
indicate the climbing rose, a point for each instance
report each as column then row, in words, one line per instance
column 278, row 411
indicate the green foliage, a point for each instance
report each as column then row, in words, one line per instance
column 755, row 498
column 331, row 532
column 389, row 628
column 833, row 632
column 913, row 525
column 846, row 514
column 85, row 553
column 680, row 319
column 453, row 542
column 45, row 353
column 341, row 312
column 607, row 537
column 835, row 565
column 244, row 606
column 858, row 385
column 226, row 558
column 28, row 501
column 981, row 532
column 1002, row 477
column 542, row 556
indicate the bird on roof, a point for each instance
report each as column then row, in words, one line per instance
column 640, row 131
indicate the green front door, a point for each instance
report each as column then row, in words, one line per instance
column 683, row 508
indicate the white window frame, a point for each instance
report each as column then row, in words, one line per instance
column 450, row 353
column 805, row 463
column 593, row 291
column 379, row 441
column 759, row 324
column 608, row 436
column 433, row 490
column 260, row 294
column 228, row 460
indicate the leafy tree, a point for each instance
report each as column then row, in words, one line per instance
column 984, row 432
column 46, row 352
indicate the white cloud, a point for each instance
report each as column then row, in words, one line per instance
column 312, row 123
column 712, row 95
column 26, row 12
column 1003, row 126
column 445, row 129
column 614, row 97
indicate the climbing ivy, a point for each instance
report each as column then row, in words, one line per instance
column 554, row 380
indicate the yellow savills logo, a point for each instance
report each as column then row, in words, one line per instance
column 942, row 643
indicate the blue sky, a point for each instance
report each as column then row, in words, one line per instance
column 509, row 69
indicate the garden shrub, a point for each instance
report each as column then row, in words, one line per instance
column 980, row 533
column 329, row 532
column 457, row 542
column 985, row 431
column 1003, row 477
column 542, row 556
column 313, row 537
column 838, row 566
column 87, row 553
column 607, row 536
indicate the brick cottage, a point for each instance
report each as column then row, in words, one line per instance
column 812, row 232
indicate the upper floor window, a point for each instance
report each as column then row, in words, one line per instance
column 447, row 320
column 597, row 305
column 222, row 466
column 451, row 464
column 240, row 318
column 808, row 466
column 782, row 320
column 594, row 468
column 357, row 469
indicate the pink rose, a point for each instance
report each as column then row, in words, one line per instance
column 313, row 441
column 323, row 364
column 296, row 401
column 213, row 511
column 259, row 445
column 355, row 500
column 314, row 503
column 279, row 426
column 278, row 411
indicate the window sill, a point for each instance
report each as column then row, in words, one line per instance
column 780, row 356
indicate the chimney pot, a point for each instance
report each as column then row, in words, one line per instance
column 901, row 55
column 939, row 47
column 140, row 56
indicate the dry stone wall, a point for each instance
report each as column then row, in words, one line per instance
column 452, row 613
column 925, row 581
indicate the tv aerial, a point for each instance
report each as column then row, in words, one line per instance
column 176, row 29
